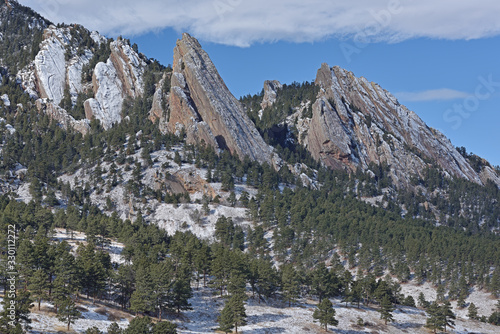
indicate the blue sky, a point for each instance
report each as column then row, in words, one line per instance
column 439, row 58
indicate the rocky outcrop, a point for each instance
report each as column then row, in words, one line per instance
column 160, row 106
column 356, row 122
column 59, row 64
column 61, row 116
column 271, row 88
column 109, row 95
column 201, row 105
column 50, row 64
column 120, row 77
column 489, row 174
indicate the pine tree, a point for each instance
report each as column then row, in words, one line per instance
column 472, row 312
column 39, row 286
column 114, row 329
column 289, row 283
column 202, row 260
column 447, row 314
column 124, row 281
column 320, row 281
column 325, row 314
column 142, row 299
column 164, row 327
column 422, row 302
column 93, row 330
column 139, row 325
column 233, row 314
column 237, row 305
column 68, row 312
column 226, row 319
column 20, row 322
column 434, row 317
column 232, row 199
column 181, row 293
column 161, row 275
column 386, row 309
column 346, row 281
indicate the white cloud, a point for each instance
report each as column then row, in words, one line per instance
column 243, row 23
column 432, row 95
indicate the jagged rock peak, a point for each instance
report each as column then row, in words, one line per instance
column 119, row 77
column 356, row 122
column 160, row 106
column 271, row 88
column 202, row 105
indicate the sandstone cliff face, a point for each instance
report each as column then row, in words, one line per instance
column 50, row 73
column 62, row 117
column 271, row 88
column 58, row 65
column 120, row 77
column 160, row 106
column 356, row 122
column 201, row 104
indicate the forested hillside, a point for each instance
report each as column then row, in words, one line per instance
column 279, row 227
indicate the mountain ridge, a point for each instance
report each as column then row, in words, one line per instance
column 354, row 122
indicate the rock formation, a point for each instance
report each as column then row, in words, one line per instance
column 160, row 106
column 201, row 104
column 271, row 88
column 356, row 122
column 59, row 63
column 120, row 77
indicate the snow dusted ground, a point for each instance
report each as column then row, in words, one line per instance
column 44, row 321
column 276, row 317
column 74, row 239
column 171, row 217
column 272, row 317
column 484, row 301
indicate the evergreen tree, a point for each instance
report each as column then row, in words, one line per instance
column 124, row 281
column 164, row 327
column 434, row 317
column 267, row 282
column 409, row 301
column 139, row 325
column 321, row 281
column 14, row 319
column 447, row 314
column 325, row 314
column 422, row 302
column 226, row 319
column 142, row 299
column 232, row 199
column 181, row 293
column 233, row 314
column 472, row 312
column 93, row 330
column 289, row 283
column 161, row 275
column 39, row 286
column 114, row 329
column 68, row 312
column 386, row 309
column 202, row 260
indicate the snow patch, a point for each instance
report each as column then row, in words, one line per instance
column 5, row 99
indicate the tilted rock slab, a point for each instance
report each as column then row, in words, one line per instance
column 202, row 105
column 356, row 122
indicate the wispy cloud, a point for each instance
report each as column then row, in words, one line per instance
column 442, row 94
column 242, row 23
